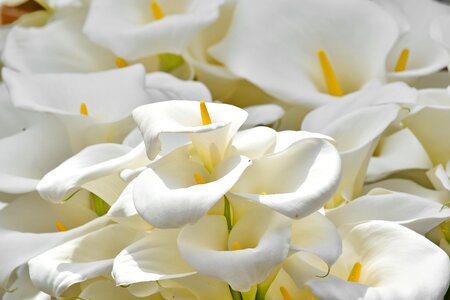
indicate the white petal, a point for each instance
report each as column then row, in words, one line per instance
column 263, row 235
column 91, row 163
column 324, row 116
column 399, row 151
column 104, row 93
column 318, row 235
column 124, row 206
column 297, row 181
column 416, row 213
column 426, row 55
column 263, row 114
column 106, row 289
column 129, row 30
column 287, row 138
column 35, row 232
column 254, row 142
column 154, row 257
column 430, row 125
column 167, row 195
column 28, row 155
column 184, row 117
column 386, row 251
column 24, row 289
column 290, row 47
column 57, row 47
column 199, row 286
column 163, row 86
column 408, row 186
column 83, row 258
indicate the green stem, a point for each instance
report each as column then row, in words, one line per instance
column 227, row 212
column 235, row 294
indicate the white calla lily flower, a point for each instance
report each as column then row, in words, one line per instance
column 23, row 288
column 257, row 243
column 75, row 94
column 210, row 127
column 139, row 28
column 320, row 56
column 416, row 53
column 376, row 264
column 295, row 182
column 356, row 124
column 175, row 191
column 42, row 226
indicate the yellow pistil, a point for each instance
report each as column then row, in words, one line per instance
column 83, row 109
column 236, row 246
column 199, row 179
column 121, row 63
column 206, row 119
column 402, row 61
column 60, row 226
column 263, row 193
column 355, row 273
column 156, row 9
column 286, row 295
column 330, row 77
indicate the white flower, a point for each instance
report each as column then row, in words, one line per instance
column 376, row 264
column 298, row 49
column 140, row 28
column 356, row 122
column 416, row 53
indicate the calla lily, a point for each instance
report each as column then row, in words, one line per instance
column 416, row 53
column 59, row 268
column 139, row 28
column 242, row 258
column 376, row 264
column 294, row 182
column 38, row 228
column 356, row 123
column 70, row 91
column 175, row 191
column 210, row 132
column 306, row 50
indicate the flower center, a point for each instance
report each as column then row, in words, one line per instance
column 121, row 63
column 156, row 9
column 355, row 273
column 331, row 81
column 402, row 61
column 199, row 179
column 206, row 119
column 236, row 246
column 286, row 295
column 60, row 226
column 83, row 109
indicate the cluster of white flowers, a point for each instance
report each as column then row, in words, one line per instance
column 224, row 149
